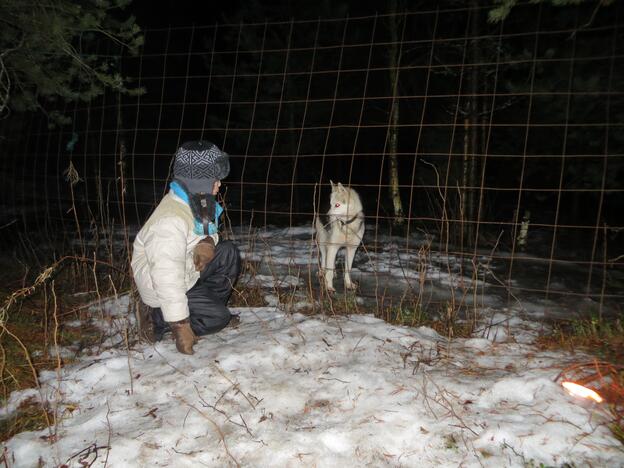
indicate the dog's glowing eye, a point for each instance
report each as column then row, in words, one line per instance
column 337, row 205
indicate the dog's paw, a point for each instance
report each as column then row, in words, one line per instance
column 352, row 285
column 331, row 290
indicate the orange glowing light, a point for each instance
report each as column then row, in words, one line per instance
column 580, row 391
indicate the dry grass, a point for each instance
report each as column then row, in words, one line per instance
column 247, row 296
column 15, row 369
column 337, row 304
column 35, row 311
column 444, row 318
column 603, row 337
column 246, row 293
column 28, row 417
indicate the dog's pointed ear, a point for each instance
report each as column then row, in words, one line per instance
column 331, row 184
column 340, row 186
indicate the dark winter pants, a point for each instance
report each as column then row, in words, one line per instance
column 207, row 299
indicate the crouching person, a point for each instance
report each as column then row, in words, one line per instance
column 183, row 273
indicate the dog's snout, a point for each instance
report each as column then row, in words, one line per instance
column 337, row 205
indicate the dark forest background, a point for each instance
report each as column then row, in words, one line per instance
column 472, row 121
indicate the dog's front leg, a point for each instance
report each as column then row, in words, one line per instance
column 322, row 256
column 350, row 255
column 330, row 265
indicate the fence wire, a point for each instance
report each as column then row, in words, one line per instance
column 495, row 145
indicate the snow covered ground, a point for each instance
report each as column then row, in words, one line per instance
column 288, row 390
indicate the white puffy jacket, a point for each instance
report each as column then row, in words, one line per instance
column 162, row 259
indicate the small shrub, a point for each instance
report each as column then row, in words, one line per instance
column 603, row 336
column 247, row 296
column 30, row 416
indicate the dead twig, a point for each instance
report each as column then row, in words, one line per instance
column 216, row 427
column 235, row 385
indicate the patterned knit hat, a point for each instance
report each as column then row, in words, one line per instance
column 199, row 164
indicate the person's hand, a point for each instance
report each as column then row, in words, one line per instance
column 203, row 253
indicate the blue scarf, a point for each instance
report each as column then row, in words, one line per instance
column 198, row 228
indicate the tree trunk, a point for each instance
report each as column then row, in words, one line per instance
column 121, row 176
column 393, row 130
column 464, row 212
column 294, row 194
column 471, row 136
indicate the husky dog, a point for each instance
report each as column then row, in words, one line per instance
column 344, row 228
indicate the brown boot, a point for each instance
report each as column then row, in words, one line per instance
column 183, row 336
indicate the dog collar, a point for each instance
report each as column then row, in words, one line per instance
column 344, row 223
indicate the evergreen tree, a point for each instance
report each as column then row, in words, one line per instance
column 51, row 51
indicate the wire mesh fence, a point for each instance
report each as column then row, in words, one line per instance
column 492, row 150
